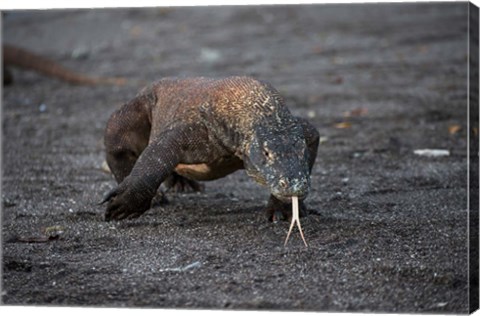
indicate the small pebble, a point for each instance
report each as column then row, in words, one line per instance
column 210, row 55
column 323, row 139
column 42, row 107
column 80, row 53
column 432, row 152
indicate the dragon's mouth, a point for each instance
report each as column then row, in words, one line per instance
column 281, row 191
column 287, row 198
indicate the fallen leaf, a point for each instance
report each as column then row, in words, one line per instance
column 343, row 125
column 453, row 129
column 355, row 112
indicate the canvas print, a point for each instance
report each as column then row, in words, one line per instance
column 319, row 157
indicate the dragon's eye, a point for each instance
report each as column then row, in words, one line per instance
column 267, row 153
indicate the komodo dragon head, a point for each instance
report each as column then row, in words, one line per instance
column 278, row 158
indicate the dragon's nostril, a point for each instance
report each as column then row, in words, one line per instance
column 282, row 183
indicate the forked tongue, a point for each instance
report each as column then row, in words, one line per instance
column 295, row 219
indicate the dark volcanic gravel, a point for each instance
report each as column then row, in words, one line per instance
column 389, row 228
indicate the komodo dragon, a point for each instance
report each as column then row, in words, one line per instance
column 204, row 129
column 14, row 56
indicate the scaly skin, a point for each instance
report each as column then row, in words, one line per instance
column 205, row 129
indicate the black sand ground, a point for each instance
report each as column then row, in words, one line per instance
column 390, row 228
